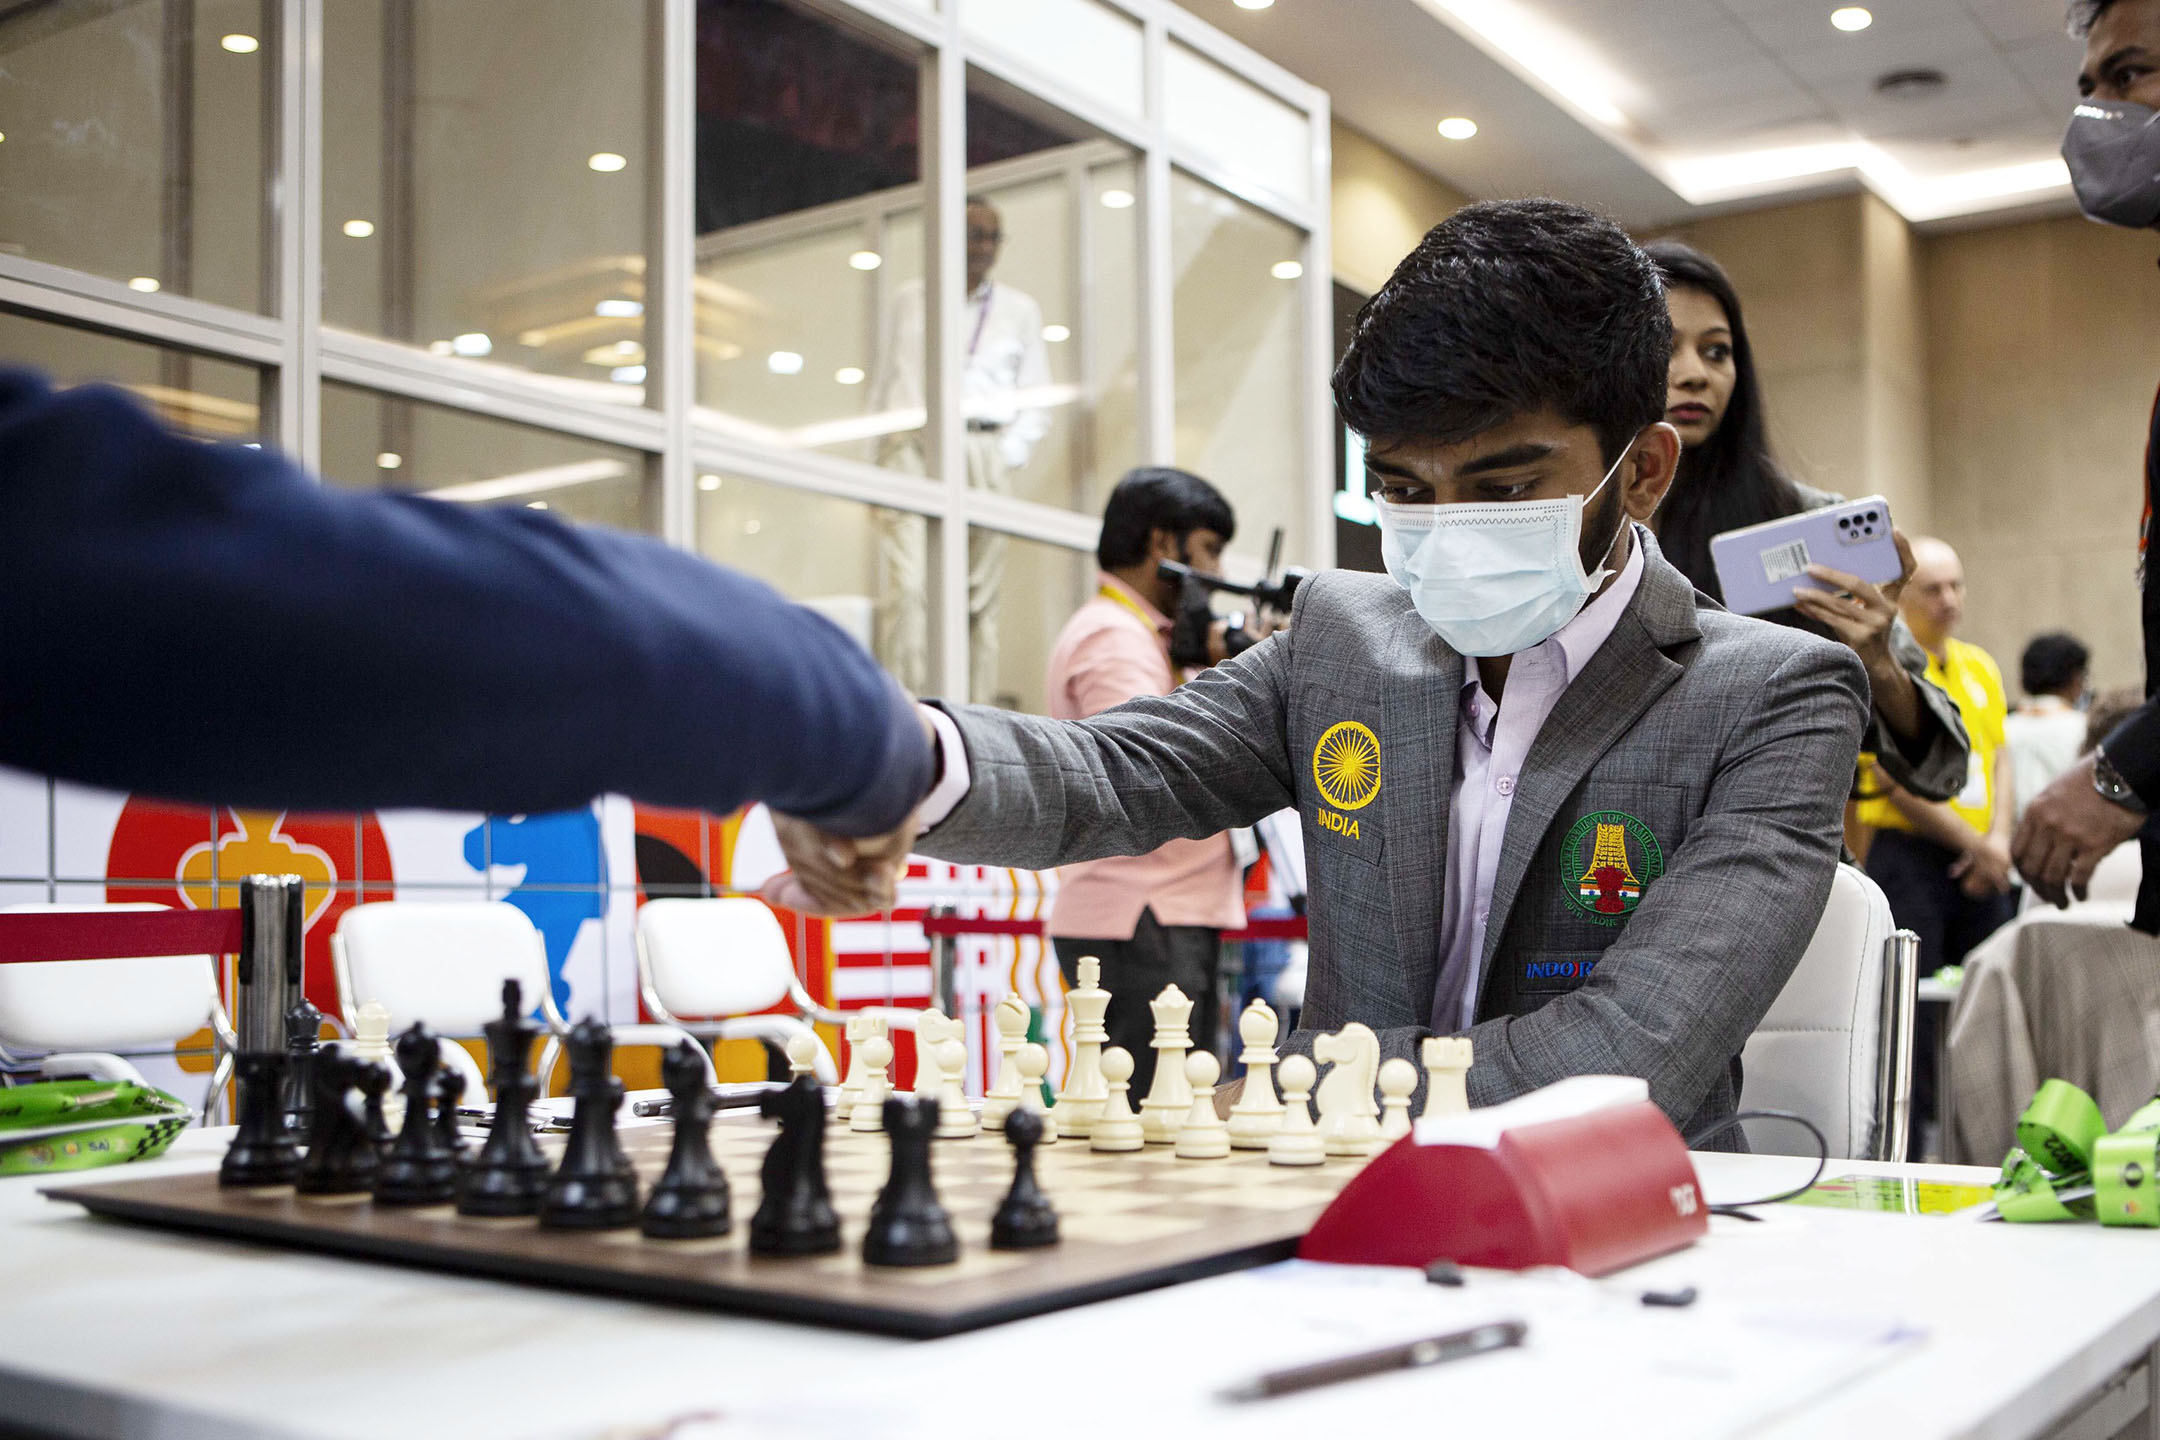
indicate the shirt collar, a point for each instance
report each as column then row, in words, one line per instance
column 1583, row 636
column 1132, row 599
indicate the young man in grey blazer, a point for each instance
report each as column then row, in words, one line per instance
column 1554, row 799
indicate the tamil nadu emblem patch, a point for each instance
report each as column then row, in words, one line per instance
column 1606, row 862
column 1346, row 766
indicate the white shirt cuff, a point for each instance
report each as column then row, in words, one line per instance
column 953, row 779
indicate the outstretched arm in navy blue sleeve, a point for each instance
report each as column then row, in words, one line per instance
column 205, row 623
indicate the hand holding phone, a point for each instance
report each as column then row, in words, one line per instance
column 1765, row 567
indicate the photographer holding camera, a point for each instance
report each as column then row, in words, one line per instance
column 1155, row 919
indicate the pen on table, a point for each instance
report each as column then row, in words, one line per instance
column 1437, row 1350
column 722, row 1100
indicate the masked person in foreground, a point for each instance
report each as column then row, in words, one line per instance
column 1553, row 799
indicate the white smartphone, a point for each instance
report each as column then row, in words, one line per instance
column 1760, row 566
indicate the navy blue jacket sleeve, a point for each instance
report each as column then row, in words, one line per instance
column 204, row 622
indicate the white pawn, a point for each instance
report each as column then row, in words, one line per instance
column 801, row 1056
column 371, row 1041
column 1169, row 1097
column 1257, row 1114
column 1447, row 1061
column 1011, row 1019
column 859, row 1029
column 1116, row 1127
column 1033, row 1062
column 1204, row 1135
column 1297, row 1142
column 868, row 1115
column 1398, row 1078
column 956, row 1121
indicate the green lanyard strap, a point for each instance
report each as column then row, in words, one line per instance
column 2066, row 1166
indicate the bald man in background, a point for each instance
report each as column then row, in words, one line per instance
column 1946, row 864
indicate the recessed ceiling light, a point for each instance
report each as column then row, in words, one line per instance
column 144, row 283
column 620, row 309
column 1286, row 270
column 849, row 375
column 241, row 44
column 627, row 374
column 607, row 162
column 1254, row 4
column 866, row 259
column 536, row 505
column 784, row 362
column 1458, row 127
column 359, row 229
column 708, row 482
column 3, row 137
column 1057, row 334
column 389, row 460
column 1117, row 199
column 1852, row 18
column 472, row 342
column 751, row 527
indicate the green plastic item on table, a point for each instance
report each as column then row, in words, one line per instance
column 2126, row 1171
column 2027, row 1194
column 2059, row 1127
column 56, row 1125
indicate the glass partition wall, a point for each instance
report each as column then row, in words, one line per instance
column 875, row 299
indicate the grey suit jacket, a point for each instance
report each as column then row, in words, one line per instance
column 1707, row 754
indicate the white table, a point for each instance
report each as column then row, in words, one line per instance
column 117, row 1330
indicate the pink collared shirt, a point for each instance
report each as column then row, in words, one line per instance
column 1112, row 650
column 1492, row 739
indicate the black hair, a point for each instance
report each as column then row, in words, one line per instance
column 2052, row 661
column 1731, row 479
column 1156, row 497
column 1505, row 308
column 2084, row 14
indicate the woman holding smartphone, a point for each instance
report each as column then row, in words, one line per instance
column 1728, row 479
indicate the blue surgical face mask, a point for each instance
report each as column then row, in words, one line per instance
column 1498, row 578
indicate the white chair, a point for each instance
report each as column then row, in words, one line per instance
column 1836, row 1046
column 445, row 962
column 719, row 962
column 79, row 1011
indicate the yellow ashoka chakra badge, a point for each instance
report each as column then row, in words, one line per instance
column 1346, row 766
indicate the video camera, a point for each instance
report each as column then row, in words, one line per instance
column 1196, row 616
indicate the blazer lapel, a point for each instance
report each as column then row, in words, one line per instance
column 1624, row 678
column 1423, row 698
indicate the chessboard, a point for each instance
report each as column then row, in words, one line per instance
column 1128, row 1221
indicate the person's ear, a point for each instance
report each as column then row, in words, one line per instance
column 1653, row 459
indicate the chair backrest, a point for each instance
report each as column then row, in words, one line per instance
column 439, row 961
column 717, row 957
column 104, row 1004
column 1822, row 1048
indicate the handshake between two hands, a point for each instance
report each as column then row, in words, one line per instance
column 837, row 874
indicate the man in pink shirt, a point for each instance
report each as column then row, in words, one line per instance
column 1155, row 919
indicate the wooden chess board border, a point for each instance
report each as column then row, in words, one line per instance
column 717, row 1275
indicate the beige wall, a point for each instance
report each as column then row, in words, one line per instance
column 1381, row 206
column 2042, row 362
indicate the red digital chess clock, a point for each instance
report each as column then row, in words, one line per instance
column 1586, row 1173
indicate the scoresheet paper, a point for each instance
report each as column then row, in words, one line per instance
column 1596, row 1362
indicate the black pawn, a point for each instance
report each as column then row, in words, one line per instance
column 594, row 1188
column 374, row 1081
column 341, row 1157
column 448, row 1090
column 417, row 1170
column 907, row 1224
column 1025, row 1218
column 303, row 1032
column 690, row 1201
column 510, row 1172
column 795, row 1214
column 264, row 1152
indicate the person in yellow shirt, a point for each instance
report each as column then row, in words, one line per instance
column 1946, row 866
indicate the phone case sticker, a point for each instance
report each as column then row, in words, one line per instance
column 1783, row 562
